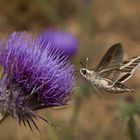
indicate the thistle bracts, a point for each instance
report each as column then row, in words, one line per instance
column 34, row 77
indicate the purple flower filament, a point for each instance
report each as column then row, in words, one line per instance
column 34, row 77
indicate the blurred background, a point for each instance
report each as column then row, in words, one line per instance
column 96, row 25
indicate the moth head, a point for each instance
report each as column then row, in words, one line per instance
column 86, row 73
column 83, row 71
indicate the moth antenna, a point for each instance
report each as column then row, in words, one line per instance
column 82, row 64
column 85, row 66
column 86, row 62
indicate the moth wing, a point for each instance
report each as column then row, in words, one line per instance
column 128, row 68
column 111, row 62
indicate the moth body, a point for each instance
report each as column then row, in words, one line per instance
column 119, row 88
column 112, row 71
column 104, row 83
column 95, row 79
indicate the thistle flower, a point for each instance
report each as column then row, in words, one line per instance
column 34, row 77
column 62, row 41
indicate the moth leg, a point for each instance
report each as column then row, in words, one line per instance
column 96, row 89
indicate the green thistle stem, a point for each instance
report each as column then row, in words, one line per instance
column 132, row 129
column 73, row 122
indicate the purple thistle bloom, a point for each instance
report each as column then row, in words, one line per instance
column 34, row 77
column 62, row 41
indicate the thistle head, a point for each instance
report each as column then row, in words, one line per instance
column 34, row 77
column 62, row 41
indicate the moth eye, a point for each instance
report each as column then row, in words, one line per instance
column 84, row 72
